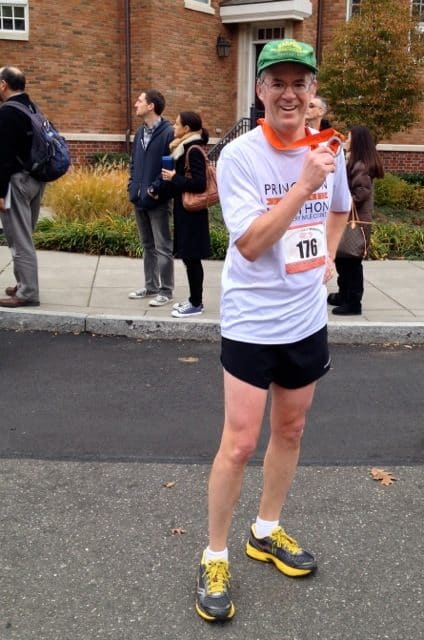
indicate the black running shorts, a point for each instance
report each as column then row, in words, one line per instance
column 291, row 366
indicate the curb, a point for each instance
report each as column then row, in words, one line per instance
column 409, row 333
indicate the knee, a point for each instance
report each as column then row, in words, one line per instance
column 292, row 432
column 238, row 451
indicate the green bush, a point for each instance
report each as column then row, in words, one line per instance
column 392, row 191
column 112, row 235
column 412, row 178
column 391, row 241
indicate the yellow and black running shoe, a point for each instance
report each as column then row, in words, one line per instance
column 213, row 601
column 283, row 551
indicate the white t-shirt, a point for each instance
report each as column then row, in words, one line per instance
column 280, row 297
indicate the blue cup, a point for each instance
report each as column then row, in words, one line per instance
column 168, row 162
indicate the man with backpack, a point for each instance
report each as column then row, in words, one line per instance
column 20, row 192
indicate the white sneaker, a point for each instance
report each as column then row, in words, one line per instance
column 141, row 293
column 159, row 301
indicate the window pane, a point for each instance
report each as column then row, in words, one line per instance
column 20, row 25
column 7, row 11
column 19, row 12
column 8, row 24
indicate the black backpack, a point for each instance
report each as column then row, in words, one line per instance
column 49, row 158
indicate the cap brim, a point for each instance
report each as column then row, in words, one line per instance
column 303, row 64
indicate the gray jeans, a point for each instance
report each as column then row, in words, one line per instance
column 155, row 236
column 18, row 224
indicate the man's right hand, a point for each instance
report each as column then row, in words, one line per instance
column 2, row 205
column 318, row 164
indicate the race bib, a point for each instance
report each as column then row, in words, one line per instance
column 305, row 247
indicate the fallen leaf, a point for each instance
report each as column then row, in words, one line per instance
column 385, row 477
column 189, row 359
column 169, row 485
column 178, row 531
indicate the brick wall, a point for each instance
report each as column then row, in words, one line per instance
column 408, row 162
column 73, row 62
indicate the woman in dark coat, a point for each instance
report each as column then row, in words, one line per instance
column 363, row 166
column 191, row 230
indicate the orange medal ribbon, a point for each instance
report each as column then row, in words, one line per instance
column 333, row 137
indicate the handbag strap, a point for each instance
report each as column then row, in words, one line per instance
column 354, row 217
column 187, row 164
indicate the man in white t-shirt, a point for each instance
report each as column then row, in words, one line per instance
column 285, row 202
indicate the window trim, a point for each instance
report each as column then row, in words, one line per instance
column 349, row 6
column 199, row 5
column 6, row 34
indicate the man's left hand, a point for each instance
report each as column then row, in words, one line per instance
column 2, row 205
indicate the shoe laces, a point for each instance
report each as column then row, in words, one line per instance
column 281, row 539
column 217, row 575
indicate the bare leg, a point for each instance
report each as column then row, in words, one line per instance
column 288, row 413
column 244, row 410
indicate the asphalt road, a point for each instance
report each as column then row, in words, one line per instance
column 82, row 397
column 92, row 431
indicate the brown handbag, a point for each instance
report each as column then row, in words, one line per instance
column 353, row 243
column 193, row 202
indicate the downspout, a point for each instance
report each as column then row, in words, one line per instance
column 128, row 75
column 318, row 46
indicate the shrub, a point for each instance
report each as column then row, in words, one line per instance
column 394, row 192
column 109, row 159
column 112, row 235
column 412, row 178
column 89, row 193
column 390, row 241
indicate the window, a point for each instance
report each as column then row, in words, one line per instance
column 418, row 12
column 199, row 5
column 269, row 33
column 353, row 8
column 14, row 20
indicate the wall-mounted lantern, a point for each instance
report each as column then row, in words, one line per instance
column 222, row 47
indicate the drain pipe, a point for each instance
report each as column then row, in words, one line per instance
column 128, row 74
column 318, row 45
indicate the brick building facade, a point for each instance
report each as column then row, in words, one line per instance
column 87, row 60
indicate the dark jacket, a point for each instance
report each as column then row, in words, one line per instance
column 146, row 165
column 361, row 188
column 191, row 230
column 15, row 139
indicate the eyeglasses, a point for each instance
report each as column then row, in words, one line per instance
column 276, row 87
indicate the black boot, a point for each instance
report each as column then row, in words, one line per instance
column 335, row 299
column 348, row 309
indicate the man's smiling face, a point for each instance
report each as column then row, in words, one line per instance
column 286, row 90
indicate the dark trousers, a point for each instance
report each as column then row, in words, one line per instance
column 350, row 279
column 195, row 280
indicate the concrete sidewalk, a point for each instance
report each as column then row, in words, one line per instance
column 90, row 293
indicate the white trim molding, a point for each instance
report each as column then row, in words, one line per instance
column 265, row 11
column 417, row 148
column 94, row 137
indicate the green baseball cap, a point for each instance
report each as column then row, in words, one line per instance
column 287, row 51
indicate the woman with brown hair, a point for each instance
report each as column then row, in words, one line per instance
column 363, row 166
column 191, row 230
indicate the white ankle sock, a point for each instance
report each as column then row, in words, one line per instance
column 263, row 528
column 215, row 555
